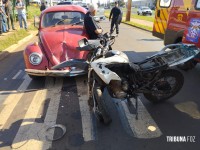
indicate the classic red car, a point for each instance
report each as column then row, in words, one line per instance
column 60, row 28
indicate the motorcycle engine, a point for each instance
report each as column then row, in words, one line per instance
column 119, row 88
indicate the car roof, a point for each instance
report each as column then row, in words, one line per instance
column 65, row 8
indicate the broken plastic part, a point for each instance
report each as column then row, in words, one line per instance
column 62, row 127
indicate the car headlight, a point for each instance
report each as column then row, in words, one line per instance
column 35, row 58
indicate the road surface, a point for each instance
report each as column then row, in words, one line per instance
column 28, row 108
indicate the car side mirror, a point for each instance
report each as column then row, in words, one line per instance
column 36, row 21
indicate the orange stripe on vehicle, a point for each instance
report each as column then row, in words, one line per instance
column 157, row 28
column 160, row 24
column 164, row 17
column 164, row 20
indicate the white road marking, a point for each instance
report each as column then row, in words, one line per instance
column 18, row 73
column 145, row 127
column 54, row 94
column 11, row 101
column 24, row 76
column 86, row 116
column 33, row 133
column 26, row 135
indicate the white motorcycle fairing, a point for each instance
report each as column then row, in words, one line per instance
column 99, row 66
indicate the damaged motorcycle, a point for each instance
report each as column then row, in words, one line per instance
column 108, row 69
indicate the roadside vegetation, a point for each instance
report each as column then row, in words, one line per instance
column 135, row 16
column 14, row 37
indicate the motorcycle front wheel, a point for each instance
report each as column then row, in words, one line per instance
column 101, row 111
column 168, row 84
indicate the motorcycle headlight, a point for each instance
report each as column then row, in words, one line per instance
column 35, row 58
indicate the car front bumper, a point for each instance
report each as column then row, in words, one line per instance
column 55, row 73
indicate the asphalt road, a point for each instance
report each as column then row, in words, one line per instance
column 28, row 108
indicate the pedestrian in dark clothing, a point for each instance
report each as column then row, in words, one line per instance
column 116, row 15
column 10, row 15
column 42, row 7
column 92, row 28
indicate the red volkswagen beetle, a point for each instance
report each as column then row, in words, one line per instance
column 60, row 28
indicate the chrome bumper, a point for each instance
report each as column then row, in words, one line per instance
column 55, row 73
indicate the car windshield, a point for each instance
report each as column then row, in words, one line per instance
column 61, row 18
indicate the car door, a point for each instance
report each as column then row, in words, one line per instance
column 163, row 8
column 192, row 31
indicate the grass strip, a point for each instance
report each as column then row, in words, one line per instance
column 132, row 23
column 12, row 38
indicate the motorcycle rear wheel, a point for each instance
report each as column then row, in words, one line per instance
column 162, row 90
column 102, row 112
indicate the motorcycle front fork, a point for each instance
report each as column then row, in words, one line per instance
column 91, row 83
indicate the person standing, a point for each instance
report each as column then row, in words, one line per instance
column 1, row 18
column 116, row 18
column 42, row 7
column 20, row 6
column 92, row 28
column 10, row 15
column 4, row 18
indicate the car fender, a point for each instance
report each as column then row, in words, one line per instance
column 35, row 48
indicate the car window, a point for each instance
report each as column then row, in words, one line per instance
column 198, row 4
column 165, row 3
column 51, row 18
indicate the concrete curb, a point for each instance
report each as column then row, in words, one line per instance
column 137, row 27
column 7, row 51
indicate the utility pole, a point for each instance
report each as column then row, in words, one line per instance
column 128, row 12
